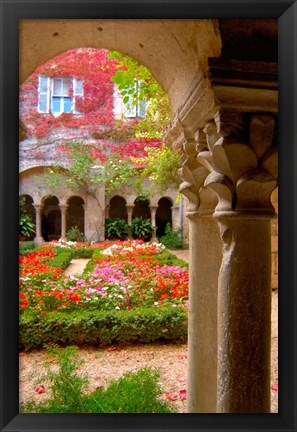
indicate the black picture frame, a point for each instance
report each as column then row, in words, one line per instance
column 286, row 12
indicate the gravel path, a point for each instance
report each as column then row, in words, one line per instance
column 102, row 365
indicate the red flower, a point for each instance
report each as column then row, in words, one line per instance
column 40, row 389
column 182, row 394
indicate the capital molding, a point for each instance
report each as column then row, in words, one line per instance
column 241, row 157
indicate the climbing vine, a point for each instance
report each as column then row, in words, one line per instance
column 96, row 122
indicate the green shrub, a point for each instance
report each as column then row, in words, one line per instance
column 74, row 234
column 95, row 327
column 62, row 258
column 26, row 246
column 141, row 228
column 83, row 252
column 93, row 261
column 165, row 257
column 171, row 239
column 26, row 226
column 134, row 393
column 116, row 228
column 121, row 396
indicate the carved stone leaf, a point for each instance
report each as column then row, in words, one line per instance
column 190, row 192
column 261, row 134
column 224, row 189
column 270, row 162
column 206, row 159
column 233, row 158
column 254, row 189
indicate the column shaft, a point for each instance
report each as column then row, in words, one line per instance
column 153, row 222
column 38, row 240
column 63, row 209
column 205, row 261
column 244, row 316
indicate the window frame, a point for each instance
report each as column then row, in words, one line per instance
column 50, row 95
column 134, row 111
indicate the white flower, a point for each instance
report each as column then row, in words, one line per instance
column 117, row 308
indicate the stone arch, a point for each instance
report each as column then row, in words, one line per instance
column 117, row 208
column 163, row 215
column 175, row 68
column 141, row 209
column 177, row 52
column 75, row 214
column 52, row 212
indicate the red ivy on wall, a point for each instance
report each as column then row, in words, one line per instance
column 96, row 120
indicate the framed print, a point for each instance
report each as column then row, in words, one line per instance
column 73, row 121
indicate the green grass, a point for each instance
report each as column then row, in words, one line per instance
column 133, row 393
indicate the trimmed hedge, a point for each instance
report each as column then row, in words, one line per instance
column 143, row 325
column 166, row 257
column 83, row 252
column 26, row 247
column 62, row 258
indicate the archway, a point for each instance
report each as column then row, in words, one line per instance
column 141, row 209
column 75, row 215
column 52, row 212
column 117, row 208
column 163, row 216
column 241, row 175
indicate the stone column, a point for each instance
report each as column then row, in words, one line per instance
column 153, row 221
column 63, row 208
column 175, row 217
column 129, row 208
column 243, row 175
column 205, row 260
column 38, row 240
column 244, row 314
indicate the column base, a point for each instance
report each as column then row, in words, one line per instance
column 38, row 241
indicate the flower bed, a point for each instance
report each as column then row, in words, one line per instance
column 124, row 279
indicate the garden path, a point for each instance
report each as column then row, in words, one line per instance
column 76, row 266
column 104, row 364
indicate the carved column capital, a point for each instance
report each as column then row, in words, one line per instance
column 241, row 157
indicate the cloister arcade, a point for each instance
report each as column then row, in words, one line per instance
column 225, row 128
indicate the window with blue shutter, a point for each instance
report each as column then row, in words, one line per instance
column 43, row 94
column 53, row 94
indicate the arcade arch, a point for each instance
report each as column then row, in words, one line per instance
column 75, row 215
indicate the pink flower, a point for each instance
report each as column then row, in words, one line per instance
column 171, row 396
column 182, row 394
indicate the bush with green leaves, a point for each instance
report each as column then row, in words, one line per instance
column 74, row 234
column 26, row 247
column 171, row 239
column 95, row 327
column 26, row 225
column 168, row 258
column 116, row 228
column 141, row 228
column 62, row 258
column 68, row 394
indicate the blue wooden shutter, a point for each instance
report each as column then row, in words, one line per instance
column 43, row 94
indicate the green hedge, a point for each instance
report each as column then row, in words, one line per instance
column 26, row 247
column 166, row 257
column 100, row 327
column 62, row 258
column 83, row 252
